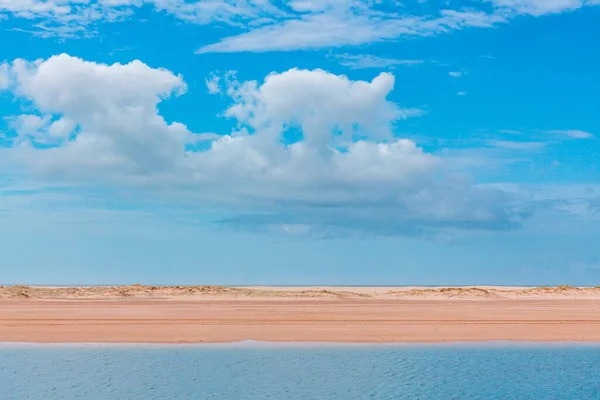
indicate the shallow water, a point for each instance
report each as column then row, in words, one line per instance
column 97, row 372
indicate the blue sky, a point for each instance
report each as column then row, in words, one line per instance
column 300, row 142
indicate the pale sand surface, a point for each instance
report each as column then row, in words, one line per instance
column 198, row 314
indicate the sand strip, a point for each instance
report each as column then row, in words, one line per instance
column 357, row 320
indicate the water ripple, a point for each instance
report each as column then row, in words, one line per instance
column 319, row 372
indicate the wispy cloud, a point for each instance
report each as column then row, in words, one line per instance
column 344, row 24
column 554, row 135
column 510, row 131
column 340, row 23
column 516, row 145
column 539, row 7
column 572, row 133
column 66, row 18
column 273, row 25
column 366, row 61
column 77, row 18
column 493, row 150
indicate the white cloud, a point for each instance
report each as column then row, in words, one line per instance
column 62, row 128
column 340, row 26
column 461, row 93
column 5, row 79
column 511, row 131
column 28, row 124
column 212, row 84
column 515, row 145
column 204, row 137
column 318, row 24
column 549, row 136
column 539, row 7
column 365, row 61
column 455, row 74
column 346, row 169
column 227, row 11
column 29, row 8
column 65, row 18
column 572, row 133
column 114, row 107
column 576, row 200
column 70, row 18
column 269, row 25
column 318, row 102
column 35, row 129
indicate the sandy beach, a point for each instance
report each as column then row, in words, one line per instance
column 205, row 314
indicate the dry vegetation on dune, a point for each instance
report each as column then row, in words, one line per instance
column 143, row 291
column 478, row 292
column 132, row 291
column 309, row 293
column 555, row 289
column 449, row 292
column 222, row 292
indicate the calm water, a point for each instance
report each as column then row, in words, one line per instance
column 300, row 372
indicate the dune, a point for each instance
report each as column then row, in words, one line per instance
column 264, row 292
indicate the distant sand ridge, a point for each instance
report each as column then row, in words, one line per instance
column 299, row 293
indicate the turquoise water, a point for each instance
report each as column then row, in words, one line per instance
column 96, row 372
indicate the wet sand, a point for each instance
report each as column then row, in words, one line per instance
column 355, row 319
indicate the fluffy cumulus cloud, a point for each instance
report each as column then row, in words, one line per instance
column 311, row 149
column 42, row 130
column 97, row 116
column 318, row 102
